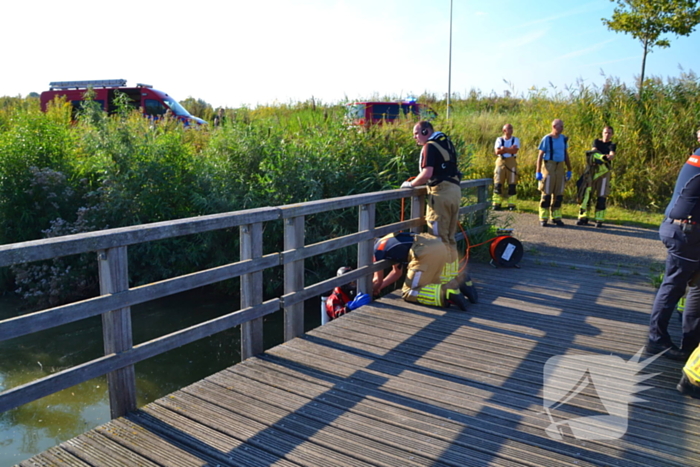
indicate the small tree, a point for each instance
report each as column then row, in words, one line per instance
column 647, row 20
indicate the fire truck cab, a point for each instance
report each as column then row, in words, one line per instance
column 152, row 103
column 377, row 113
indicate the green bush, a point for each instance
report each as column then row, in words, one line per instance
column 59, row 176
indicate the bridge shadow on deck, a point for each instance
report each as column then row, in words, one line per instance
column 397, row 384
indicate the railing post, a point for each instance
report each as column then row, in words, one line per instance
column 294, row 278
column 365, row 250
column 251, row 290
column 481, row 197
column 417, row 210
column 116, row 329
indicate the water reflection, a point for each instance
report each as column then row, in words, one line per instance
column 35, row 427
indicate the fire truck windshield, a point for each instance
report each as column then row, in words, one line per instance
column 177, row 109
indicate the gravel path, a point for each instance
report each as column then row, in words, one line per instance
column 613, row 247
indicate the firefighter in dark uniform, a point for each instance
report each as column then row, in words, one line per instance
column 424, row 256
column 594, row 184
column 680, row 233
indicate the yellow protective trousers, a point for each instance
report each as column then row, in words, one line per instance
column 595, row 198
column 426, row 263
column 552, row 188
column 505, row 178
column 442, row 213
column 692, row 367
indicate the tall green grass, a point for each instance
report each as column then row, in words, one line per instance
column 59, row 177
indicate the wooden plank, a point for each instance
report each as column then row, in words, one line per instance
column 99, row 451
column 152, row 446
column 293, row 278
column 251, row 290
column 46, row 319
column 54, row 457
column 371, row 440
column 323, row 287
column 55, row 382
column 311, row 401
column 226, row 431
column 37, row 250
column 320, row 248
column 367, row 218
column 314, row 207
column 418, row 210
column 420, row 391
column 116, row 330
column 202, row 441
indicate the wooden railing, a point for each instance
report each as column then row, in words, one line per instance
column 116, row 297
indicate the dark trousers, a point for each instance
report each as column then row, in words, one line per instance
column 682, row 271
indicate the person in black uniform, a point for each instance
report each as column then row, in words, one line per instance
column 680, row 233
column 594, row 185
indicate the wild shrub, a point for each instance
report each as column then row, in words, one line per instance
column 58, row 176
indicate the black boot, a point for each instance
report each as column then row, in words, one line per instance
column 469, row 291
column 453, row 297
column 687, row 388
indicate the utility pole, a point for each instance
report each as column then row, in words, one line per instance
column 449, row 69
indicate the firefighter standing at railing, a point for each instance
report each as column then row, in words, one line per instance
column 594, row 184
column 438, row 169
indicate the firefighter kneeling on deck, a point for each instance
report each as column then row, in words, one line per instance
column 429, row 279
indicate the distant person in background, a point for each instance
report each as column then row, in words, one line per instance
column 680, row 233
column 594, row 184
column 220, row 117
column 505, row 175
column 550, row 172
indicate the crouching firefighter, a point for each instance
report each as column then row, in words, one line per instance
column 424, row 256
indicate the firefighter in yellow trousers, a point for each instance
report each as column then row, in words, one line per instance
column 438, row 170
column 505, row 174
column 427, row 281
column 551, row 173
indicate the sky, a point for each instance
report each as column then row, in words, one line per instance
column 246, row 53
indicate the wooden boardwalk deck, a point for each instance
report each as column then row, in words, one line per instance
column 399, row 385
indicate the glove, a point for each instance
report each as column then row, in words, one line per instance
column 406, row 184
column 538, row 176
column 361, row 299
column 568, row 175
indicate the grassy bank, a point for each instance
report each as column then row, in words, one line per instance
column 59, row 177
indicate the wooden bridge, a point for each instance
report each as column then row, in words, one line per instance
column 395, row 384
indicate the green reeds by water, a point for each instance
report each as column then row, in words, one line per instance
column 59, row 177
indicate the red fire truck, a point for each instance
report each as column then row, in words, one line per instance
column 371, row 113
column 153, row 103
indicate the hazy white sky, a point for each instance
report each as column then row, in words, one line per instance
column 238, row 53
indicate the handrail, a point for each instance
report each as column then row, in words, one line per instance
column 116, row 297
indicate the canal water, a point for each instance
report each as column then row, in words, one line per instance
column 39, row 425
